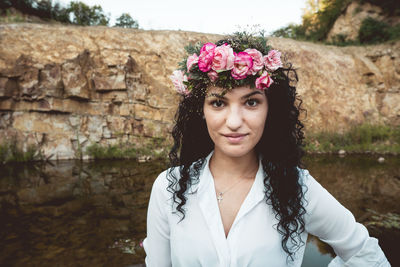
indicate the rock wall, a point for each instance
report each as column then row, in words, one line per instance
column 349, row 23
column 66, row 87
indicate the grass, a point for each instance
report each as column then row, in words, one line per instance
column 358, row 139
column 153, row 147
column 11, row 152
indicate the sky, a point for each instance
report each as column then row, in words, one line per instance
column 208, row 16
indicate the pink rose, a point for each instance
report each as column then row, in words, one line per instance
column 213, row 75
column 207, row 47
column 206, row 56
column 242, row 64
column 223, row 58
column 193, row 59
column 177, row 78
column 258, row 60
column 273, row 60
column 264, row 81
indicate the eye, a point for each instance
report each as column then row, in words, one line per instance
column 252, row 102
column 217, row 103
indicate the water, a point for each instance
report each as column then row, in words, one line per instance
column 70, row 213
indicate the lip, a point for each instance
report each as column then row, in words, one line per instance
column 234, row 137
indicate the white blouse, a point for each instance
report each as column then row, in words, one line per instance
column 253, row 241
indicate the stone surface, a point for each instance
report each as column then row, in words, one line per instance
column 349, row 23
column 66, row 87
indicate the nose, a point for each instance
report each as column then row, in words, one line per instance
column 234, row 118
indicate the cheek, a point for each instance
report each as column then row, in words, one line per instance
column 257, row 121
column 214, row 121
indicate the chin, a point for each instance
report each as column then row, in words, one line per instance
column 235, row 152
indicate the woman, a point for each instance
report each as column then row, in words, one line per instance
column 236, row 193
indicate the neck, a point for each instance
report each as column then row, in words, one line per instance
column 224, row 167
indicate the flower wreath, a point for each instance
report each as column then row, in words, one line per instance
column 227, row 65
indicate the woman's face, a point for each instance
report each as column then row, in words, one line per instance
column 235, row 121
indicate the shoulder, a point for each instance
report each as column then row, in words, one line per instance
column 313, row 191
column 161, row 183
column 170, row 177
column 306, row 180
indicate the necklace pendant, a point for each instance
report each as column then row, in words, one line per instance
column 219, row 198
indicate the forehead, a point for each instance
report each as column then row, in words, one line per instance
column 233, row 93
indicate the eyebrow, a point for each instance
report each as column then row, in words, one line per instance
column 243, row 97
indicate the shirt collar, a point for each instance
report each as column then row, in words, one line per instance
column 205, row 178
column 207, row 201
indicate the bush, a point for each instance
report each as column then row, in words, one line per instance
column 319, row 24
column 361, row 138
column 126, row 21
column 87, row 16
column 10, row 151
column 291, row 31
column 154, row 147
column 373, row 31
column 341, row 40
column 394, row 32
column 390, row 7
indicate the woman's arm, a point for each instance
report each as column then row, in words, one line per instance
column 327, row 219
column 156, row 244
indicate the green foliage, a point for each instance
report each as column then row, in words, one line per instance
column 390, row 7
column 80, row 13
column 341, row 40
column 319, row 20
column 315, row 26
column 361, row 138
column 357, row 10
column 11, row 152
column 394, row 32
column 319, row 27
column 42, row 9
column 88, row 16
column 154, row 147
column 321, row 16
column 60, row 13
column 373, row 31
column 291, row 31
column 11, row 18
column 97, row 151
column 239, row 41
column 126, row 21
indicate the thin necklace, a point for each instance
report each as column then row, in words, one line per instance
column 220, row 194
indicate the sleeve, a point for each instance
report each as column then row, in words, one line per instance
column 156, row 244
column 332, row 223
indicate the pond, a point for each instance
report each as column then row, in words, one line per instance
column 72, row 213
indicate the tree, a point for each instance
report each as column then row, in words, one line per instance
column 42, row 8
column 293, row 31
column 88, row 16
column 60, row 13
column 126, row 21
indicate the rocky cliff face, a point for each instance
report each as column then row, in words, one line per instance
column 66, row 87
column 349, row 23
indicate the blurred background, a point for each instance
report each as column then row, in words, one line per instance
column 87, row 109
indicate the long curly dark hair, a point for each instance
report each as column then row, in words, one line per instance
column 280, row 147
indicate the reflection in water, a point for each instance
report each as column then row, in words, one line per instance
column 317, row 254
column 94, row 213
column 74, row 214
